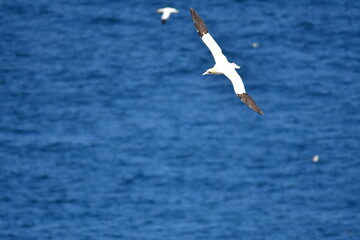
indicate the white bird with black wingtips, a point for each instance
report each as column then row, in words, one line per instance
column 222, row 65
column 166, row 13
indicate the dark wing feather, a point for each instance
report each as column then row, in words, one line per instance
column 198, row 22
column 245, row 98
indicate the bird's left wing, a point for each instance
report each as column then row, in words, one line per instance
column 240, row 90
column 236, row 81
column 207, row 38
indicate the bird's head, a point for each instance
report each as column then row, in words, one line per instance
column 209, row 71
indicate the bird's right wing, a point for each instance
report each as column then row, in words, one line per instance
column 207, row 38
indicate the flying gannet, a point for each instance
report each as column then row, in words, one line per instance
column 166, row 13
column 222, row 65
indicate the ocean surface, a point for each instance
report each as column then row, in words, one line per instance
column 108, row 130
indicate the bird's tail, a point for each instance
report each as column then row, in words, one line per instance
column 163, row 21
column 236, row 66
column 245, row 98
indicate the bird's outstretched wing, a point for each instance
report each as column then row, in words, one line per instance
column 240, row 90
column 245, row 98
column 236, row 80
column 207, row 38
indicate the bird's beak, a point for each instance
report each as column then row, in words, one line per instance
column 205, row 73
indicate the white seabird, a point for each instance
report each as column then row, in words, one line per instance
column 166, row 13
column 255, row 44
column 222, row 65
column 316, row 158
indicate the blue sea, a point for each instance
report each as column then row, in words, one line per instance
column 109, row 131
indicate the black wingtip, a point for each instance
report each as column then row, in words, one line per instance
column 193, row 14
column 198, row 22
column 245, row 98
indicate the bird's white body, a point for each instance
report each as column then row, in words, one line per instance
column 222, row 65
column 166, row 12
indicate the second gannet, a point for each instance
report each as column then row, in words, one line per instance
column 166, row 13
column 222, row 65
